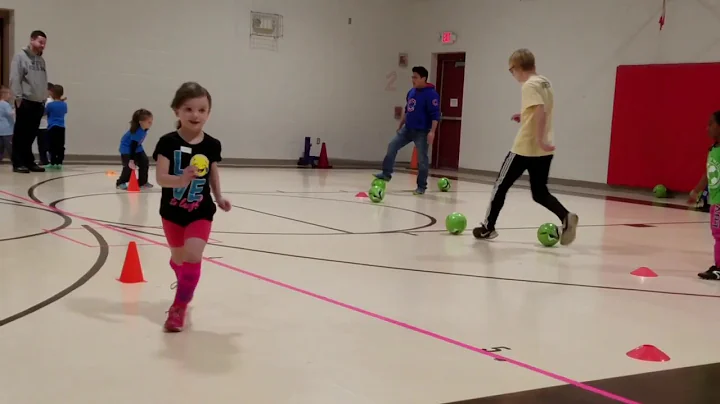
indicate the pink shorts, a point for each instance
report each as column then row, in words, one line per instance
column 176, row 234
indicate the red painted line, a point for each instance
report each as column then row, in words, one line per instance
column 56, row 234
column 82, row 228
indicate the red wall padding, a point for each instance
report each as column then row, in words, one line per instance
column 659, row 124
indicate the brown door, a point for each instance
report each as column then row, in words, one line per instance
column 2, row 52
column 450, row 82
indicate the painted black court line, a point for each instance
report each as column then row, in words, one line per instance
column 66, row 222
column 133, row 228
column 466, row 275
column 655, row 203
column 12, row 201
column 99, row 262
column 32, row 190
column 336, row 232
column 442, row 273
column 292, row 219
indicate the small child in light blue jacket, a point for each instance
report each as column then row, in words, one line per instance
column 7, row 123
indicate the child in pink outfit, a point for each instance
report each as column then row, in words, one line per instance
column 187, row 170
column 712, row 181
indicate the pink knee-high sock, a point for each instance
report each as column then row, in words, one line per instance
column 715, row 229
column 176, row 268
column 189, row 276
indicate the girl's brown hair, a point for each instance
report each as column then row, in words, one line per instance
column 188, row 91
column 137, row 117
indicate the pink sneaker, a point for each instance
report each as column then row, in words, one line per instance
column 176, row 319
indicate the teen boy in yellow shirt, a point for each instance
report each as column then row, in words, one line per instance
column 531, row 151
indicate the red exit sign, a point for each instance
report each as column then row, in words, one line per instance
column 448, row 37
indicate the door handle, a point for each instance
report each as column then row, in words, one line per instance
column 451, row 118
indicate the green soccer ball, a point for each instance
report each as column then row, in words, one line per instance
column 660, row 191
column 444, row 184
column 456, row 223
column 376, row 194
column 377, row 182
column 548, row 234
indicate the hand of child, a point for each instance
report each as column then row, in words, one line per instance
column 189, row 173
column 693, row 197
column 224, row 204
column 131, row 165
column 547, row 147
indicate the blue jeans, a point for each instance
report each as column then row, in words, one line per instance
column 404, row 137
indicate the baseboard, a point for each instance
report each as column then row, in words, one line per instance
column 87, row 159
column 556, row 181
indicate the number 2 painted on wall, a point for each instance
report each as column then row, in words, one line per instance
column 391, row 79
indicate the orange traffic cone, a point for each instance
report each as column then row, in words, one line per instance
column 132, row 270
column 323, row 161
column 414, row 159
column 133, row 186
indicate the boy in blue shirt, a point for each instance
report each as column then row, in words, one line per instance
column 132, row 152
column 418, row 125
column 7, row 123
column 42, row 137
column 56, row 112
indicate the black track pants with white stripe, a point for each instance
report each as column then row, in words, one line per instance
column 513, row 167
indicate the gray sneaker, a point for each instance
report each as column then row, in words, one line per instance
column 569, row 229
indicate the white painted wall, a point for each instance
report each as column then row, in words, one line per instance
column 327, row 80
column 578, row 45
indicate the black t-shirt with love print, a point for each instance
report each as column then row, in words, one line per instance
column 193, row 202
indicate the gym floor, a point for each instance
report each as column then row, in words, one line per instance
column 311, row 295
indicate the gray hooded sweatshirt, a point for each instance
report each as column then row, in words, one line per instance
column 28, row 77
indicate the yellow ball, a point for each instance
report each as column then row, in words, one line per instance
column 201, row 163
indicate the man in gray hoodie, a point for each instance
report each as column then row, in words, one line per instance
column 28, row 82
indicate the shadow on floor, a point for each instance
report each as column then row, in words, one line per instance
column 197, row 350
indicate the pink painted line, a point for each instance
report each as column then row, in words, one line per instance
column 338, row 303
column 139, row 244
column 133, row 226
column 56, row 234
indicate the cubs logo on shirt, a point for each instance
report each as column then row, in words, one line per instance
column 412, row 102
